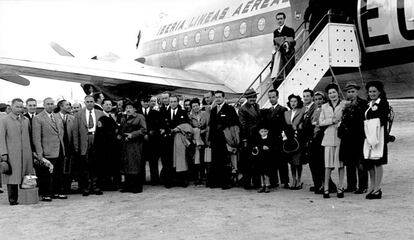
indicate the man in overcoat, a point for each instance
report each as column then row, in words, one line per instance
column 15, row 148
column 352, row 136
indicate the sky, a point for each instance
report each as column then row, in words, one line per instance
column 84, row 27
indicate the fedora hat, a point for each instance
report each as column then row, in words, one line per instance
column 350, row 85
column 250, row 93
column 5, row 168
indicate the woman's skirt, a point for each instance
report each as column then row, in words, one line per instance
column 332, row 157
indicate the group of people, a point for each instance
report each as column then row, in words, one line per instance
column 106, row 147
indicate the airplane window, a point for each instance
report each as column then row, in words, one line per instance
column 243, row 28
column 211, row 35
column 164, row 45
column 174, row 43
column 185, row 41
column 227, row 31
column 197, row 37
column 261, row 24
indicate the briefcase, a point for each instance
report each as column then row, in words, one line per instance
column 28, row 196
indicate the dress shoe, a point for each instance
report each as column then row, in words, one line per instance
column 226, row 187
column 267, row 190
column 340, row 193
column 262, row 189
column 46, row 199
column 326, row 194
column 137, row 190
column 374, row 195
column 85, row 193
column 1, row 191
column 319, row 191
column 286, row 186
column 360, row 191
column 62, row 196
column 14, row 203
column 124, row 190
column 312, row 189
column 97, row 192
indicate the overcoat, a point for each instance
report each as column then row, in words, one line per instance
column 132, row 149
column 15, row 142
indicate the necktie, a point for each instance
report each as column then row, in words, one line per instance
column 90, row 123
column 52, row 118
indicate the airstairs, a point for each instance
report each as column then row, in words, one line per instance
column 336, row 46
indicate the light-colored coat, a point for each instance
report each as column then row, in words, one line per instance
column 80, row 130
column 330, row 137
column 47, row 136
column 15, row 142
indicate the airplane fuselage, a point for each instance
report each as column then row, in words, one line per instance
column 233, row 42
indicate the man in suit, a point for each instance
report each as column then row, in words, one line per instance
column 48, row 132
column 274, row 117
column 84, row 129
column 307, row 136
column 172, row 117
column 222, row 116
column 152, row 138
column 287, row 47
column 31, row 105
column 63, row 113
column 249, row 117
column 108, row 150
column 98, row 97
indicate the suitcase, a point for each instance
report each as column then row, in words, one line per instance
column 28, row 196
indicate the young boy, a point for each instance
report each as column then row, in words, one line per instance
column 262, row 154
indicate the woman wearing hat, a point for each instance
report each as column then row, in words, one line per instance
column 291, row 146
column 131, row 133
column 376, row 155
column 330, row 117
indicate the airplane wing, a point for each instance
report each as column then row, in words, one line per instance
column 115, row 79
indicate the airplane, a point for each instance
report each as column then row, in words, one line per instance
column 225, row 47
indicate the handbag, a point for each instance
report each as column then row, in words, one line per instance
column 29, row 181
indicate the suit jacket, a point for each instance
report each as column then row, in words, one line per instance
column 328, row 111
column 180, row 117
column 80, row 130
column 69, row 127
column 47, row 136
column 286, row 32
column 227, row 117
column 275, row 120
column 27, row 115
column 307, row 126
column 293, row 125
column 153, row 120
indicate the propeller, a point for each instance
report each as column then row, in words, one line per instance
column 60, row 50
column 14, row 78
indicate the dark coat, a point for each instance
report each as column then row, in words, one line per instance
column 286, row 32
column 351, row 132
column 381, row 112
column 263, row 160
column 132, row 149
column 106, row 143
column 249, row 117
column 274, row 118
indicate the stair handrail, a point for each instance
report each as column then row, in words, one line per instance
column 328, row 14
column 267, row 65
